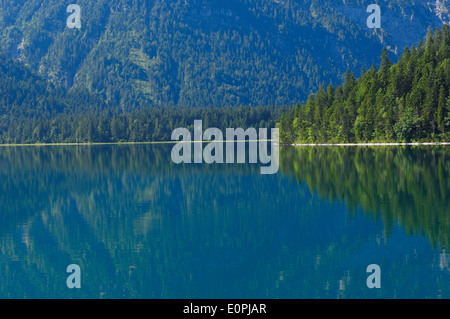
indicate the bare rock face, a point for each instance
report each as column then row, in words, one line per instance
column 441, row 9
column 403, row 23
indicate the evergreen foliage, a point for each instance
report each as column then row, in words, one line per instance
column 403, row 102
column 191, row 53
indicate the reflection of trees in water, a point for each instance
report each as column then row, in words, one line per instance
column 33, row 177
column 128, row 213
column 140, row 226
column 405, row 185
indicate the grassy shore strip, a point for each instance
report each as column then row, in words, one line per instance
column 372, row 144
column 175, row 142
column 126, row 143
column 87, row 144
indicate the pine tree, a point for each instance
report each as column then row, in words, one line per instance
column 441, row 110
column 430, row 51
column 447, row 118
column 349, row 83
column 384, row 67
column 444, row 50
column 319, row 110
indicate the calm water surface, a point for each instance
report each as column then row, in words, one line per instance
column 140, row 226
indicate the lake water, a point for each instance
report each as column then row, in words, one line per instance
column 140, row 226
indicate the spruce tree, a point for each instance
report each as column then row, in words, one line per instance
column 441, row 110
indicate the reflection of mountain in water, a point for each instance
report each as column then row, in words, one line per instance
column 140, row 226
column 405, row 185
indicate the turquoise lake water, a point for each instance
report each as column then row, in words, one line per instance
column 140, row 226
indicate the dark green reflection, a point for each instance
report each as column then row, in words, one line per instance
column 140, row 226
column 405, row 185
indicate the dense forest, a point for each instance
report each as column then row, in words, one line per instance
column 32, row 110
column 107, row 82
column 25, row 94
column 151, row 125
column 402, row 102
column 207, row 53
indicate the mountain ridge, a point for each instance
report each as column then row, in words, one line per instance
column 207, row 53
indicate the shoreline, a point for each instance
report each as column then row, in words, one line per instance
column 280, row 144
column 87, row 144
column 371, row 144
column 127, row 143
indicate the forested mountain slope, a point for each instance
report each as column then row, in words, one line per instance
column 404, row 102
column 208, row 53
column 27, row 99
column 32, row 110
